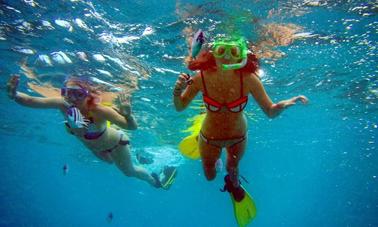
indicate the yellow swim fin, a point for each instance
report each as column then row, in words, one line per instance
column 170, row 173
column 245, row 210
column 244, row 207
column 189, row 147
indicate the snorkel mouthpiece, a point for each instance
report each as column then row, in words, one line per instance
column 235, row 66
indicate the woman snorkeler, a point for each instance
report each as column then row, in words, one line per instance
column 87, row 120
column 227, row 75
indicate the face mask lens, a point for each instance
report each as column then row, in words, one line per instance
column 74, row 93
column 235, row 52
column 80, row 94
column 219, row 51
column 63, row 91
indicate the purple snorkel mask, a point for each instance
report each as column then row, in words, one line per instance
column 76, row 93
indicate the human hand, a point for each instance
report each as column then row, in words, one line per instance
column 124, row 104
column 12, row 85
column 290, row 102
column 182, row 82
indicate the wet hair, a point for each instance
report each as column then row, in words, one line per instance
column 205, row 61
column 94, row 95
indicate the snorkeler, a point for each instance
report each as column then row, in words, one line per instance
column 227, row 75
column 87, row 119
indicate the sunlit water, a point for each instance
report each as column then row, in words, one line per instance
column 314, row 165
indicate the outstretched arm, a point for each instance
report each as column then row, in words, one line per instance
column 185, row 90
column 121, row 117
column 124, row 108
column 270, row 109
column 30, row 101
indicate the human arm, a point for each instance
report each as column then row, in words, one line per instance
column 123, row 117
column 185, row 90
column 30, row 101
column 271, row 109
column 124, row 108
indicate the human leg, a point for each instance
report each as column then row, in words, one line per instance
column 209, row 154
column 122, row 158
column 234, row 154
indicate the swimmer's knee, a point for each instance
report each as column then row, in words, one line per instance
column 210, row 173
column 130, row 172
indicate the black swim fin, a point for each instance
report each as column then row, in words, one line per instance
column 169, row 176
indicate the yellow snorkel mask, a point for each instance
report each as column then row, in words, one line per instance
column 236, row 49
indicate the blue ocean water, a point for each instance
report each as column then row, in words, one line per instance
column 314, row 165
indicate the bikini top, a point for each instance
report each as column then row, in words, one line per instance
column 92, row 127
column 235, row 106
column 93, row 132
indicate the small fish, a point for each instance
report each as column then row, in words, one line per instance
column 111, row 86
column 47, row 24
column 67, row 40
column 27, row 26
column 60, row 57
column 64, row 24
column 65, row 169
column 26, row 51
column 126, row 39
column 147, row 31
column 82, row 56
column 79, row 22
column 99, row 58
column 197, row 42
column 104, row 72
column 65, row 57
column 23, row 50
column 303, row 35
column 11, row 8
column 106, row 38
column 31, row 3
column 75, row 118
column 115, row 89
column 44, row 60
column 110, row 217
column 312, row 3
column 96, row 80
column 117, row 61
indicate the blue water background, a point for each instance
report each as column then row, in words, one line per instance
column 314, row 165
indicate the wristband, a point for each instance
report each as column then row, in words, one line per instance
column 177, row 92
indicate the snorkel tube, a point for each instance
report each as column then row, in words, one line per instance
column 242, row 44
